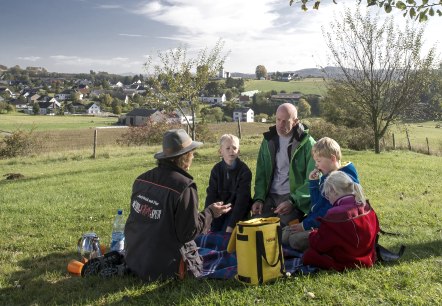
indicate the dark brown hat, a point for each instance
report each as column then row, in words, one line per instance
column 175, row 143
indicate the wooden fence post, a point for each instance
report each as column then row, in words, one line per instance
column 239, row 128
column 394, row 143
column 95, row 143
column 428, row 146
column 408, row 138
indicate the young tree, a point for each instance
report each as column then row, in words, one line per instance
column 261, row 72
column 383, row 70
column 35, row 108
column 106, row 99
column 212, row 114
column 177, row 81
column 229, row 94
column 304, row 108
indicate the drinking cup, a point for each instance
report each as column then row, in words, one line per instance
column 75, row 266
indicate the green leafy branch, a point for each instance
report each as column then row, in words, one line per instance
column 420, row 10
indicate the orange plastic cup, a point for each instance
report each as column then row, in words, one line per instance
column 75, row 266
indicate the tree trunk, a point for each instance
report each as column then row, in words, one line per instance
column 377, row 146
column 193, row 125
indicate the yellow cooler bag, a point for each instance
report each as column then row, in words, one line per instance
column 258, row 250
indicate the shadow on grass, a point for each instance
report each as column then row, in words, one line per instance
column 420, row 250
column 45, row 280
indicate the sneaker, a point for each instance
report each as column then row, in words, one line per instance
column 104, row 266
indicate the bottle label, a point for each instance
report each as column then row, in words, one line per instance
column 117, row 243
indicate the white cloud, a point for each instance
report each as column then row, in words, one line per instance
column 109, row 6
column 200, row 17
column 93, row 63
column 266, row 32
column 131, row 35
column 29, row 58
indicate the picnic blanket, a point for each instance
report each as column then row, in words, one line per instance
column 219, row 264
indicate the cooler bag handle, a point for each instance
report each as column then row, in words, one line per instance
column 260, row 248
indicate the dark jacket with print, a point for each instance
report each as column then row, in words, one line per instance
column 230, row 185
column 163, row 222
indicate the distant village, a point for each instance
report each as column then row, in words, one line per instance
column 35, row 91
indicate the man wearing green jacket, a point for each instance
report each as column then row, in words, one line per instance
column 282, row 169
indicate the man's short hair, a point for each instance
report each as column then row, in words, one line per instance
column 326, row 147
column 232, row 138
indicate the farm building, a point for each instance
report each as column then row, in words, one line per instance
column 244, row 114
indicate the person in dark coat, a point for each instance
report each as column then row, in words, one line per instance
column 230, row 182
column 164, row 218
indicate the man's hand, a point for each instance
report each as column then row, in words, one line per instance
column 229, row 229
column 284, row 208
column 257, row 208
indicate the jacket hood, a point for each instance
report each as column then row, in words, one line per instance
column 299, row 132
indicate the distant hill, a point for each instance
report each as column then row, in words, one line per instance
column 326, row 72
column 242, row 75
column 304, row 73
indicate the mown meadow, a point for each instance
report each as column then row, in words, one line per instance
column 66, row 194
column 306, row 86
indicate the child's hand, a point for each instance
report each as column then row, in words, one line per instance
column 297, row 227
column 314, row 175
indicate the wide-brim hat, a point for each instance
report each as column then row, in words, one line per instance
column 176, row 142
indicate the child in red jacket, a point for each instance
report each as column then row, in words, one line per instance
column 347, row 235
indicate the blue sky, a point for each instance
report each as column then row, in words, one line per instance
column 117, row 36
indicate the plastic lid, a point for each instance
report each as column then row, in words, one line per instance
column 120, row 211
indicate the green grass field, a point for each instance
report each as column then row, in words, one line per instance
column 14, row 121
column 64, row 195
column 64, row 133
column 418, row 134
column 306, row 86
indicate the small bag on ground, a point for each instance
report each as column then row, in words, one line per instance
column 258, row 250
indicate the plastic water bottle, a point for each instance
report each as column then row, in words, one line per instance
column 117, row 239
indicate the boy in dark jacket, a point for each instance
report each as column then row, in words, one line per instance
column 230, row 182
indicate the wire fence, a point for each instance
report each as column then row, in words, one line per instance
column 94, row 138
column 66, row 140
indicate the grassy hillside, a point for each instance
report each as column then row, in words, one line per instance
column 306, row 86
column 418, row 134
column 64, row 195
